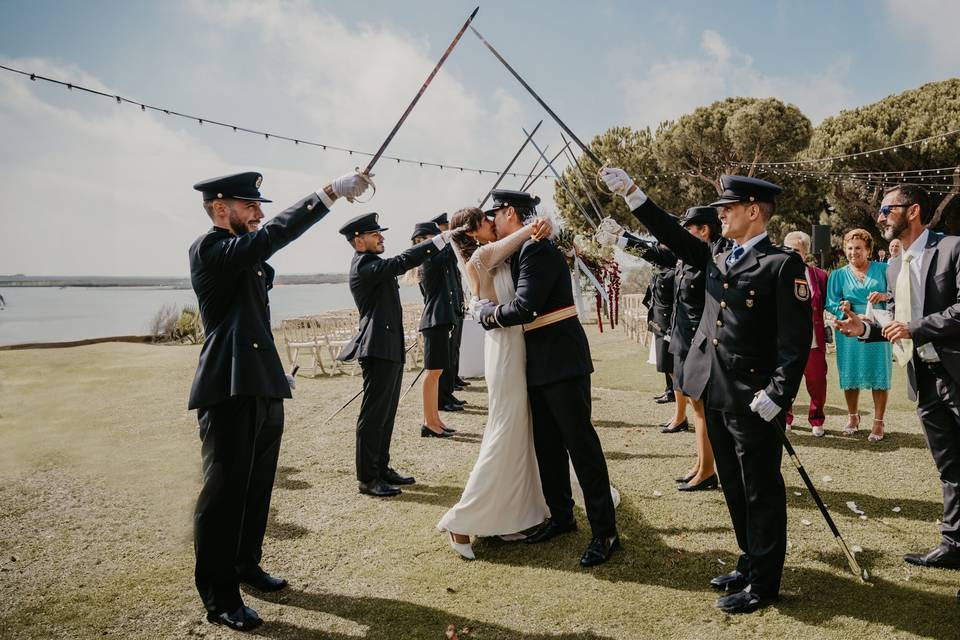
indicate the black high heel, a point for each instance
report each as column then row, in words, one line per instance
column 684, row 479
column 709, row 483
column 449, row 430
column 428, row 433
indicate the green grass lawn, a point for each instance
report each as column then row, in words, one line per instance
column 100, row 469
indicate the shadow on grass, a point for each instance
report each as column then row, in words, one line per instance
column 812, row 596
column 892, row 441
column 438, row 495
column 618, row 424
column 628, row 455
column 284, row 481
column 284, row 530
column 389, row 619
column 872, row 506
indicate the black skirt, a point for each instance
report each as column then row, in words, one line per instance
column 664, row 357
column 436, row 347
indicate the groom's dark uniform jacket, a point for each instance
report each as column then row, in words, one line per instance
column 558, row 378
column 238, row 388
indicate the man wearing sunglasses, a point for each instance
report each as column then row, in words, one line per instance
column 925, row 331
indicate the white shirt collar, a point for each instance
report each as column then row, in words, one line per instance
column 916, row 249
column 749, row 244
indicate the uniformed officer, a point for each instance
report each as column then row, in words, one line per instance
column 378, row 345
column 745, row 362
column 451, row 381
column 240, row 384
column 702, row 223
column 436, row 324
column 558, row 381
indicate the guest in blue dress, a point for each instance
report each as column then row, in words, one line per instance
column 861, row 365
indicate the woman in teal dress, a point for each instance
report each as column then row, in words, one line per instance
column 861, row 365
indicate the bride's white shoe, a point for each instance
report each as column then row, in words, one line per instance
column 464, row 549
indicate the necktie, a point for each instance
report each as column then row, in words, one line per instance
column 903, row 312
column 734, row 256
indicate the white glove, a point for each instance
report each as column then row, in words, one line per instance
column 448, row 235
column 763, row 406
column 292, row 381
column 620, row 183
column 605, row 238
column 350, row 185
column 610, row 226
column 475, row 306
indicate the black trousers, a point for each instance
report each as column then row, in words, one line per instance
column 378, row 410
column 562, row 428
column 240, row 445
column 939, row 410
column 449, row 376
column 748, row 453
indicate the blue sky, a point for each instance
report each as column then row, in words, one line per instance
column 341, row 72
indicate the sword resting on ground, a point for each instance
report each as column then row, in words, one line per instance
column 357, row 395
column 416, row 98
column 851, row 560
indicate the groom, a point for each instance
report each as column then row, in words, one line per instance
column 558, row 381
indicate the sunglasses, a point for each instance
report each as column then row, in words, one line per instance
column 885, row 209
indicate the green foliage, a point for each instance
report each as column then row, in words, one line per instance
column 928, row 110
column 173, row 324
column 680, row 165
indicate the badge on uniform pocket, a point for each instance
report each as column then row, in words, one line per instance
column 801, row 289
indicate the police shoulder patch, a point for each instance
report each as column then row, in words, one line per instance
column 801, row 289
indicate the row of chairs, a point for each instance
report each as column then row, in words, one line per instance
column 633, row 317
column 321, row 337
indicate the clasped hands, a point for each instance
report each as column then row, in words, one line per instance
column 853, row 325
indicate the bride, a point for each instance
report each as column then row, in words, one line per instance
column 503, row 495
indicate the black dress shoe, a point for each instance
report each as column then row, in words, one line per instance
column 684, row 479
column 451, row 407
column 458, row 401
column 550, row 530
column 599, row 551
column 242, row 619
column 743, row 602
column 665, row 398
column 461, row 382
column 706, row 485
column 449, row 430
column 942, row 557
column 390, row 476
column 425, row 432
column 733, row 581
column 379, row 488
column 458, row 387
column 262, row 581
column 683, row 426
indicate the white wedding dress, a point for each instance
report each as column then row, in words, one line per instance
column 503, row 495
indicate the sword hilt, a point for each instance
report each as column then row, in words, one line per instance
column 368, row 178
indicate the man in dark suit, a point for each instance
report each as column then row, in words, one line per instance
column 240, row 384
column 745, row 363
column 451, row 380
column 378, row 346
column 925, row 332
column 558, row 381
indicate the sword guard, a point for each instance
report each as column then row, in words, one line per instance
column 368, row 178
column 601, row 185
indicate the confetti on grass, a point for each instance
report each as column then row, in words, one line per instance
column 827, row 479
column 896, row 509
column 853, row 507
column 657, row 494
column 805, row 522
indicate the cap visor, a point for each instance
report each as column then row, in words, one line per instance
column 251, row 199
column 725, row 201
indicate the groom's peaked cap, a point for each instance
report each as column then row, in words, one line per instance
column 510, row 198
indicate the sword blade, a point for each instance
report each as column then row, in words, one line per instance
column 510, row 164
column 527, row 185
column 536, row 97
column 417, row 97
column 572, row 160
column 563, row 184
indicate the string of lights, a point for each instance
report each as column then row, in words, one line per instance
column 264, row 134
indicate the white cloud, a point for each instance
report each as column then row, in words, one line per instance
column 671, row 88
column 105, row 189
column 930, row 23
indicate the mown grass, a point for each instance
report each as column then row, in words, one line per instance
column 100, row 468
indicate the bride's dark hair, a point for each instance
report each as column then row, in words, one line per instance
column 464, row 221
